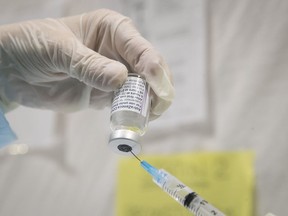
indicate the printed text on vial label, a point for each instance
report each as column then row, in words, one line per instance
column 131, row 96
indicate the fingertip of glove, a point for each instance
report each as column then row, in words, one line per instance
column 160, row 107
column 116, row 74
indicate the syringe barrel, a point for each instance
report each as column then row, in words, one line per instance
column 185, row 196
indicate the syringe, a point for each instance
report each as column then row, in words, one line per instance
column 180, row 192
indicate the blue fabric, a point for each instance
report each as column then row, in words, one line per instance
column 6, row 133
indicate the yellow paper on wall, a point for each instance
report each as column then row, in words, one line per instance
column 225, row 180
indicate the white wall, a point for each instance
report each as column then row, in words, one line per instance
column 239, row 103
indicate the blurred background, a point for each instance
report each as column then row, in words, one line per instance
column 229, row 60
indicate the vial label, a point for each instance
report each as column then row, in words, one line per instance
column 132, row 96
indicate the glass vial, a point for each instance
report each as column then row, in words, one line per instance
column 129, row 115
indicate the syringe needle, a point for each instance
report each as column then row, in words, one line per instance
column 149, row 168
column 135, row 155
column 180, row 192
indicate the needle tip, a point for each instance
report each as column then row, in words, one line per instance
column 135, row 155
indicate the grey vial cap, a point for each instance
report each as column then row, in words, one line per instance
column 123, row 141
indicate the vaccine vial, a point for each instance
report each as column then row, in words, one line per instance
column 129, row 115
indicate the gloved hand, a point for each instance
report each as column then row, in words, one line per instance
column 73, row 63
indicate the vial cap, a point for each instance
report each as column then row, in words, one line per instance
column 124, row 141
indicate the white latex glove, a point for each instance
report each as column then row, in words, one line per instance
column 73, row 63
